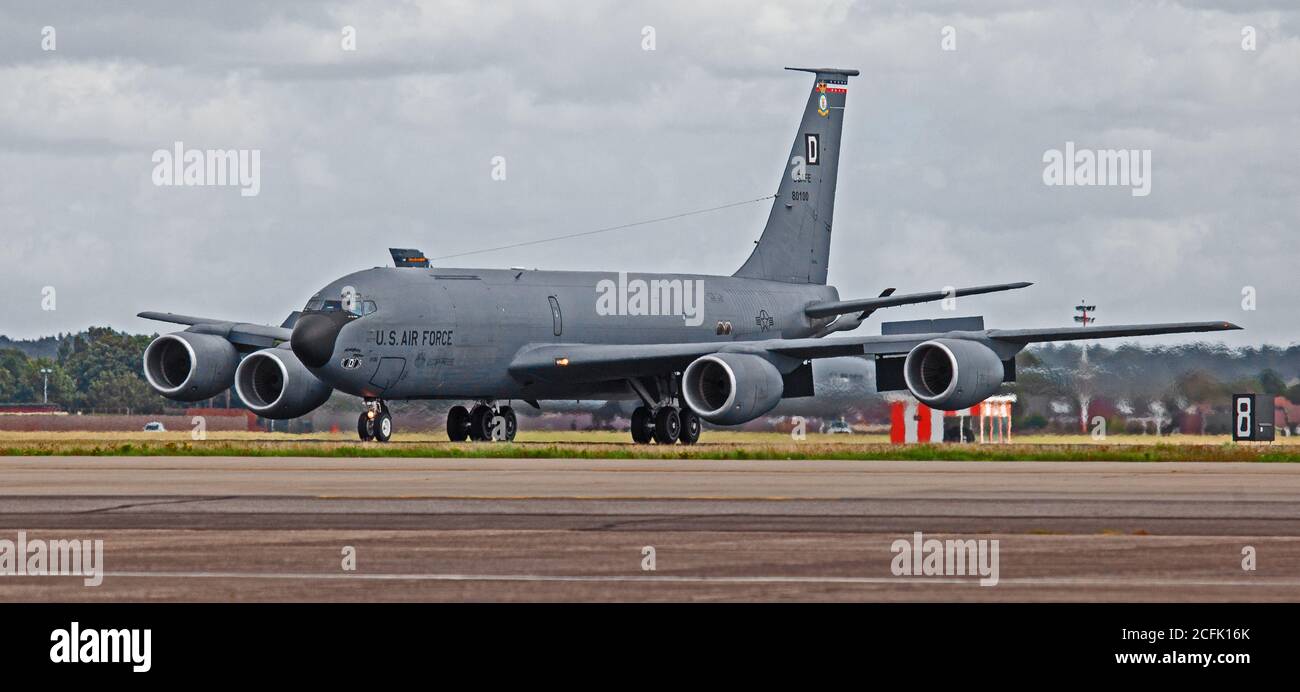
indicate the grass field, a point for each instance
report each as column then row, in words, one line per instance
column 715, row 445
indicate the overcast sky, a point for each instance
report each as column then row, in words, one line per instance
column 941, row 180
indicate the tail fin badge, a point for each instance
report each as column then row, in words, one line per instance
column 823, row 88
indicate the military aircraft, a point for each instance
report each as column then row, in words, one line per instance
column 723, row 349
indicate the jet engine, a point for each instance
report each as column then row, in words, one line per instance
column 731, row 388
column 186, row 366
column 952, row 374
column 273, row 383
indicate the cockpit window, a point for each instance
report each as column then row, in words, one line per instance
column 363, row 307
column 360, row 307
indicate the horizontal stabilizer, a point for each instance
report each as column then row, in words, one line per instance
column 841, row 307
column 826, row 70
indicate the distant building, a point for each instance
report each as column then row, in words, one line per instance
column 911, row 421
column 1286, row 416
column 248, row 418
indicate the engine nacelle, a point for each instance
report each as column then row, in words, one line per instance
column 186, row 366
column 952, row 374
column 273, row 383
column 731, row 388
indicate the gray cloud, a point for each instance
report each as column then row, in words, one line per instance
column 391, row 146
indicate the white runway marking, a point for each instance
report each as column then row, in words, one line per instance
column 704, row 579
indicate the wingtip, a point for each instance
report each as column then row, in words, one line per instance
column 1228, row 326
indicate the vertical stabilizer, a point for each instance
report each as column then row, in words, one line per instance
column 795, row 244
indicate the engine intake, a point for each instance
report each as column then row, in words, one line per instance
column 952, row 374
column 731, row 388
column 273, row 383
column 190, row 367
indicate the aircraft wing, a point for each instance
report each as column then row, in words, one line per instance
column 888, row 299
column 597, row 362
column 238, row 333
column 1026, row 336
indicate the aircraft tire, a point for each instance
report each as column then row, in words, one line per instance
column 363, row 428
column 383, row 426
column 512, row 422
column 641, row 425
column 668, row 425
column 480, row 423
column 690, row 427
column 458, row 424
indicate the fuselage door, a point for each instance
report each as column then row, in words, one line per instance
column 388, row 373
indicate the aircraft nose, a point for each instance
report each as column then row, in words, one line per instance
column 314, row 336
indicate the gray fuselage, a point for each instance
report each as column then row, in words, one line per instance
column 452, row 333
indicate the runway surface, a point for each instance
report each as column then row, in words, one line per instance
column 250, row 529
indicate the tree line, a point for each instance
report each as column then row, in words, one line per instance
column 98, row 370
column 1187, row 387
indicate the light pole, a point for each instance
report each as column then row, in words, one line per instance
column 1085, row 372
column 1083, row 315
column 45, row 393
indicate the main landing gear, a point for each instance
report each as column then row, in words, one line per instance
column 658, row 419
column 375, row 423
column 665, row 425
column 484, row 422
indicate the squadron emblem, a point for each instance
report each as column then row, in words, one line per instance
column 823, row 108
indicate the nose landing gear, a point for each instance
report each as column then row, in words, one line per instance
column 485, row 422
column 375, row 423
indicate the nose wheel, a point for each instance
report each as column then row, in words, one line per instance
column 375, row 423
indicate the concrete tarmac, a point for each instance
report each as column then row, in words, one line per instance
column 250, row 529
